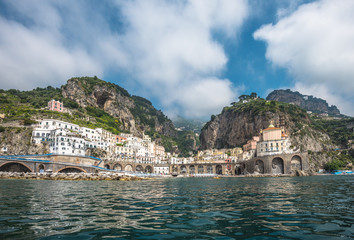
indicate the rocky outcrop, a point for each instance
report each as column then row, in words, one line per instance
column 236, row 125
column 135, row 114
column 103, row 96
column 309, row 103
column 17, row 141
column 231, row 129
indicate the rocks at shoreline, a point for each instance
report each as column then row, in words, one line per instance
column 69, row 176
column 297, row 173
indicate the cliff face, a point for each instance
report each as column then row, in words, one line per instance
column 236, row 125
column 135, row 113
column 309, row 103
column 233, row 128
column 17, row 140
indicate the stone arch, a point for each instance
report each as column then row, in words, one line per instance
column 118, row 167
column 238, row 171
column 71, row 170
column 210, row 169
column 296, row 163
column 148, row 169
column 183, row 169
column 128, row 168
column 192, row 169
column 174, row 169
column 15, row 167
column 41, row 168
column 107, row 166
column 259, row 166
column 139, row 168
column 277, row 166
column 200, row 169
column 218, row 169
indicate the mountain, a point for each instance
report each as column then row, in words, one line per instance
column 310, row 103
column 330, row 143
column 135, row 114
column 236, row 124
column 93, row 103
column 194, row 125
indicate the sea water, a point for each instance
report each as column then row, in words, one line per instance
column 318, row 207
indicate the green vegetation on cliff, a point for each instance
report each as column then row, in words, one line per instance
column 341, row 131
column 25, row 106
column 340, row 160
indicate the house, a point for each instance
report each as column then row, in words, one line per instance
column 54, row 105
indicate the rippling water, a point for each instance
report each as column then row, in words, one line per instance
column 229, row 208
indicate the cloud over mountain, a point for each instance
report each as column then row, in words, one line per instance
column 167, row 48
column 315, row 44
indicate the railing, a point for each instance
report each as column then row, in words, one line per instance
column 25, row 159
column 32, row 155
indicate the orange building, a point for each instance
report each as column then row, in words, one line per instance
column 271, row 133
column 55, row 106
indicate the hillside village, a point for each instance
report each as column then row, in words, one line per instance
column 65, row 138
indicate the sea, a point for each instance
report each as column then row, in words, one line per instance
column 316, row 207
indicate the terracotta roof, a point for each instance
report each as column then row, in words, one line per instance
column 271, row 128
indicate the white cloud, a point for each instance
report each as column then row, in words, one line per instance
column 205, row 96
column 166, row 47
column 32, row 58
column 315, row 43
column 172, row 52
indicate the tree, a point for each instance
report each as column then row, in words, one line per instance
column 254, row 95
column 243, row 97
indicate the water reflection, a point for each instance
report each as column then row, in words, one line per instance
column 239, row 208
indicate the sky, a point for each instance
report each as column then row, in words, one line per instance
column 190, row 57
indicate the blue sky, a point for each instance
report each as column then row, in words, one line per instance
column 190, row 58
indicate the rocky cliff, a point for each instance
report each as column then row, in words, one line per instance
column 135, row 114
column 238, row 123
column 309, row 103
column 17, row 141
column 90, row 102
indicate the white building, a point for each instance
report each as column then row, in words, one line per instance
column 273, row 141
column 162, row 169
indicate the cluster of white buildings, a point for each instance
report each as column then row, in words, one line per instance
column 70, row 139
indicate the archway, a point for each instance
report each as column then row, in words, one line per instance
column 41, row 168
column 259, row 166
column 277, row 166
column 107, row 166
column 148, row 169
column 210, row 169
column 71, row 170
column 218, row 169
column 128, row 168
column 117, row 167
column 192, row 169
column 174, row 169
column 200, row 169
column 139, row 168
column 183, row 169
column 14, row 167
column 296, row 163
